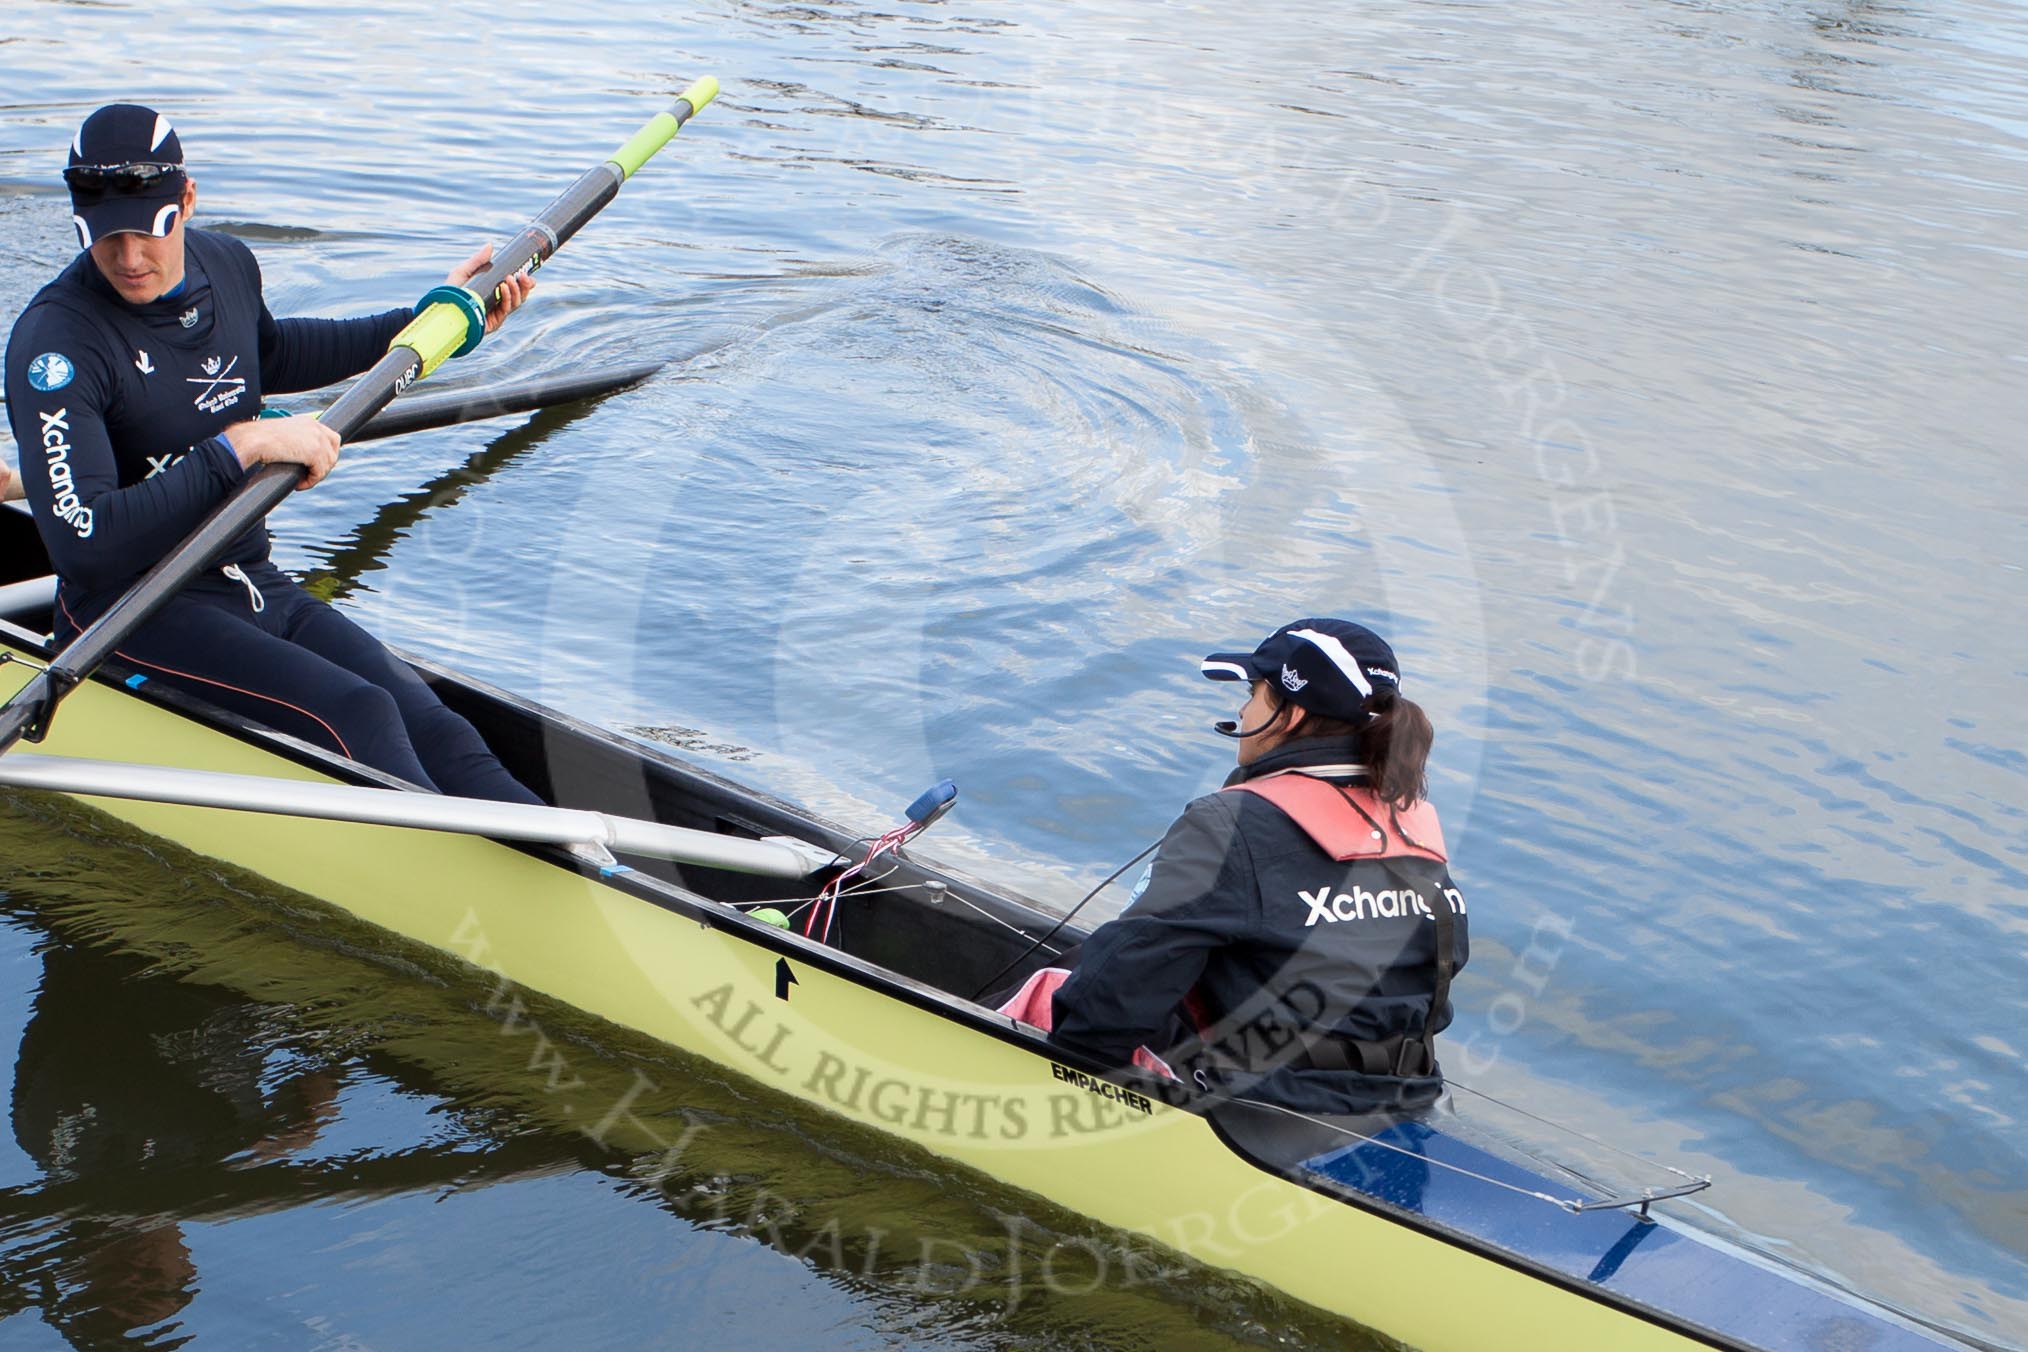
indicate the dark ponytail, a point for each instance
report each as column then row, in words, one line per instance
column 1395, row 744
column 1393, row 735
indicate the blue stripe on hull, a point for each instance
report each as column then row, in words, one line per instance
column 1430, row 1173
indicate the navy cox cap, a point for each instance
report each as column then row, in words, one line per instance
column 1329, row 667
column 125, row 174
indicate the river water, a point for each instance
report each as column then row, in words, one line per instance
column 1645, row 371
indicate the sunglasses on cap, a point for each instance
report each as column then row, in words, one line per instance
column 118, row 177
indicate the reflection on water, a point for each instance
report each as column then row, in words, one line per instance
column 171, row 1083
column 212, row 1056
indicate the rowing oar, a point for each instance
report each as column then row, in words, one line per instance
column 550, row 397
column 776, row 856
column 497, row 401
column 449, row 323
column 453, row 407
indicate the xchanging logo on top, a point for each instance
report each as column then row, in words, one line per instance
column 1359, row 904
column 65, row 503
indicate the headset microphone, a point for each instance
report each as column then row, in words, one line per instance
column 1229, row 727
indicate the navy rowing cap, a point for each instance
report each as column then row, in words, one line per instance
column 1330, row 667
column 123, row 134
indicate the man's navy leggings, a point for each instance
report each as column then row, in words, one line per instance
column 266, row 649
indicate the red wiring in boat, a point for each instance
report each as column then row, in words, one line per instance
column 826, row 904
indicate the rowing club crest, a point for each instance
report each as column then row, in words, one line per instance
column 50, row 371
column 222, row 388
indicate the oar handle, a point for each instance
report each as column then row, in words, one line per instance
column 451, row 320
column 442, row 329
column 582, row 200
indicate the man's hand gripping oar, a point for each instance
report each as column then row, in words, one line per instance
column 313, row 443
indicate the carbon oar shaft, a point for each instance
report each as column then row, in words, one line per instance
column 452, row 407
column 495, row 401
column 447, row 324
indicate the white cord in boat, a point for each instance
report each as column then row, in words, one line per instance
column 1567, row 1204
column 1603, row 1145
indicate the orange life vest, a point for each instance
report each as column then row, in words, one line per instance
column 1349, row 821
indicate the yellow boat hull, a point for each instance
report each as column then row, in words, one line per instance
column 897, row 1065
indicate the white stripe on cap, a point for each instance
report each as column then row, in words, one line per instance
column 1226, row 671
column 165, row 220
column 77, row 142
column 162, row 130
column 1340, row 658
column 84, row 232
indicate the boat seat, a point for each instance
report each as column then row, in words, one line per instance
column 21, row 602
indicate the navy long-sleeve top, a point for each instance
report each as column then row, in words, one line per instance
column 117, row 408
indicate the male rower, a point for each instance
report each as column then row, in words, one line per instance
column 134, row 386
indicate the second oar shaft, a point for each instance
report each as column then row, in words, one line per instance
column 779, row 858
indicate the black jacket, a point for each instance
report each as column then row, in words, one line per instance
column 1230, row 917
column 116, row 408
